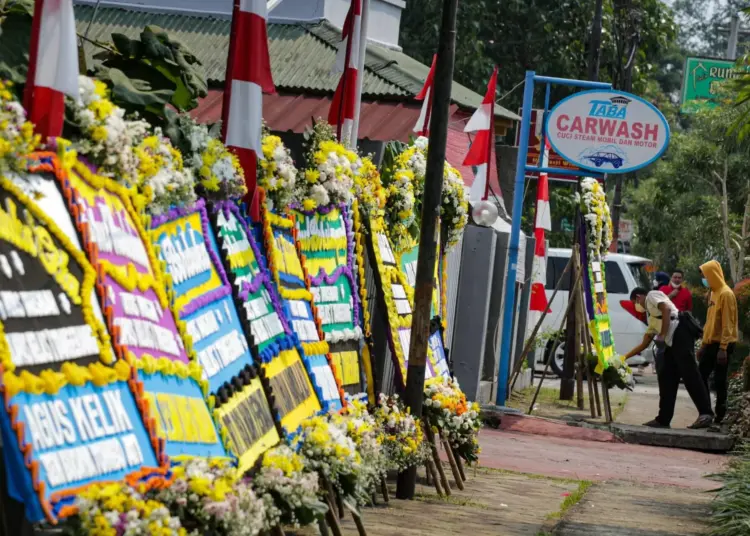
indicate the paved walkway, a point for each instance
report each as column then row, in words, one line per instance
column 643, row 404
column 626, row 508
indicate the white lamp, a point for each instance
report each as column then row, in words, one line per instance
column 484, row 213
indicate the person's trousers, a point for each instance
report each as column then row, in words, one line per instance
column 678, row 361
column 710, row 363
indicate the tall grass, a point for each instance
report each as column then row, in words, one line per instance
column 730, row 510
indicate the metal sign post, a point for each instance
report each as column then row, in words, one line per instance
column 522, row 168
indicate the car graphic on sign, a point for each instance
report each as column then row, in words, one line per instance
column 601, row 157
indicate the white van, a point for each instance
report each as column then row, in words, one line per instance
column 623, row 273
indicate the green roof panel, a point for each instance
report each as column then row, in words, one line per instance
column 302, row 55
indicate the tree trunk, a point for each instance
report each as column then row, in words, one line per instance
column 725, row 222
column 745, row 236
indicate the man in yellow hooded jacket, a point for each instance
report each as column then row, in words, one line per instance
column 719, row 334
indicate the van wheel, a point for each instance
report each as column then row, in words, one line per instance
column 558, row 351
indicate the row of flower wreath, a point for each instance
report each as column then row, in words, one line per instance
column 351, row 452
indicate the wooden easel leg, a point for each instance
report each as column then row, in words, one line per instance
column 384, row 490
column 360, row 525
column 607, row 405
column 596, row 395
column 432, row 470
column 333, row 520
column 452, row 461
column 436, row 458
column 460, row 464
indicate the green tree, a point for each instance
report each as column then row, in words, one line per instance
column 696, row 203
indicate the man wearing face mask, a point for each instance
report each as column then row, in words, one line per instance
column 675, row 359
column 719, row 334
column 679, row 295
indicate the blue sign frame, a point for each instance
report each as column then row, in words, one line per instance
column 548, row 114
column 522, row 168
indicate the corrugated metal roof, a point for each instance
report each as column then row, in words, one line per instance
column 301, row 54
column 291, row 112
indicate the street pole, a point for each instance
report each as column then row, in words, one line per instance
column 734, row 30
column 567, row 382
column 425, row 278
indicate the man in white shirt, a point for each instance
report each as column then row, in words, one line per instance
column 675, row 359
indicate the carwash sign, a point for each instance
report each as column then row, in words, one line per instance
column 607, row 131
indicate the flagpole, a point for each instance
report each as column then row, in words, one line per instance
column 490, row 143
column 361, row 71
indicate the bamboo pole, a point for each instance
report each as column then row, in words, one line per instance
column 590, row 379
column 557, row 338
column 529, row 343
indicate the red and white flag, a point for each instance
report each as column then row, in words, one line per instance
column 422, row 128
column 344, row 104
column 53, row 65
column 480, row 152
column 248, row 77
column 538, row 301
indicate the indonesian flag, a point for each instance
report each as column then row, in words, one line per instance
column 422, row 128
column 248, row 77
column 538, row 302
column 53, row 65
column 344, row 102
column 480, row 152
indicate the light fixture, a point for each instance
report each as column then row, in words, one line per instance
column 484, row 213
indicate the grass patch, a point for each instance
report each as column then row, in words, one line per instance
column 532, row 476
column 571, row 500
column 451, row 499
column 548, row 403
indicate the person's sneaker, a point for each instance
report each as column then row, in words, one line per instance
column 703, row 421
column 655, row 424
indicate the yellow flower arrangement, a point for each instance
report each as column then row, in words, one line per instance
column 162, row 178
column 112, row 509
column 446, row 408
column 17, row 138
column 368, row 188
column 330, row 175
column 276, row 172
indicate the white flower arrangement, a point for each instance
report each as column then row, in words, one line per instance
column 454, row 210
column 596, row 216
column 110, row 139
column 293, row 489
column 210, row 499
column 216, row 169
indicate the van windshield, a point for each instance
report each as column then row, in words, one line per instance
column 640, row 274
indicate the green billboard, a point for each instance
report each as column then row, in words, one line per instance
column 701, row 79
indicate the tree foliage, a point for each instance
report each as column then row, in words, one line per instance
column 695, row 205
